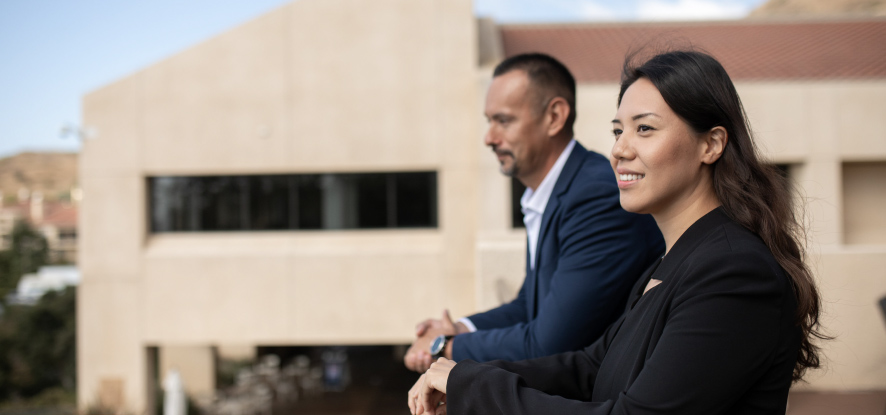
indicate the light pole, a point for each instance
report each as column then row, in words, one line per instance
column 78, row 132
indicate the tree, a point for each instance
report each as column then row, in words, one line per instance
column 38, row 346
column 27, row 253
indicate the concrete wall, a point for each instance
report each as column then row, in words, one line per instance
column 827, row 129
column 195, row 365
column 315, row 86
column 852, row 279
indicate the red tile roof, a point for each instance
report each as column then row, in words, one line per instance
column 61, row 215
column 748, row 49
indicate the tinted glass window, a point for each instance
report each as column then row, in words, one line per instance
column 292, row 202
column 517, row 190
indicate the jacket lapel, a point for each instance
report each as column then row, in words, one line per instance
column 570, row 169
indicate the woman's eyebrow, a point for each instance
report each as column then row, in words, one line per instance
column 638, row 116
column 645, row 114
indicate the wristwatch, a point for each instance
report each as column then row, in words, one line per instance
column 439, row 345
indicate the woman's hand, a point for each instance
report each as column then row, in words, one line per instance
column 429, row 393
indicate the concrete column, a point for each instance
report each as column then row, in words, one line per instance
column 819, row 180
column 820, row 177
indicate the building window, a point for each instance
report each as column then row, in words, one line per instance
column 293, row 202
column 784, row 170
column 863, row 198
column 66, row 235
column 517, row 190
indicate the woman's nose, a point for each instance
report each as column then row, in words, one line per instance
column 620, row 148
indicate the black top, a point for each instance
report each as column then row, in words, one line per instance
column 717, row 336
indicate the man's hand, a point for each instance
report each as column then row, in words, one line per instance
column 429, row 324
column 418, row 357
column 443, row 324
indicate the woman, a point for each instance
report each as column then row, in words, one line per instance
column 723, row 323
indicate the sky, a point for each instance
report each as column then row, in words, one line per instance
column 52, row 52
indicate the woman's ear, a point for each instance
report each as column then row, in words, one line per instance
column 714, row 142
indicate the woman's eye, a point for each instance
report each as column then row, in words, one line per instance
column 616, row 132
column 644, row 128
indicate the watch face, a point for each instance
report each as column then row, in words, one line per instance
column 437, row 345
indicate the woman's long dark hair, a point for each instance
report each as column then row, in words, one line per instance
column 752, row 193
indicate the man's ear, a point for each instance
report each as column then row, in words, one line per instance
column 713, row 144
column 557, row 112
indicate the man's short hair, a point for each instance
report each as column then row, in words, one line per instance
column 548, row 77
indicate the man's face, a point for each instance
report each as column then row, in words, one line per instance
column 517, row 133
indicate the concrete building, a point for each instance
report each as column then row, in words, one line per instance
column 55, row 220
column 265, row 187
column 41, row 188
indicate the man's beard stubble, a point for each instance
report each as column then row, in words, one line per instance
column 507, row 171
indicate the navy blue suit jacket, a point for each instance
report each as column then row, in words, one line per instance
column 590, row 252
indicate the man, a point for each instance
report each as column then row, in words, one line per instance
column 583, row 251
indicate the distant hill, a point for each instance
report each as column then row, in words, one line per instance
column 53, row 174
column 820, row 8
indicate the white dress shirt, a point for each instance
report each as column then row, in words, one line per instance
column 533, row 205
column 533, row 202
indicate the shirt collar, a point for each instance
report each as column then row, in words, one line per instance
column 538, row 199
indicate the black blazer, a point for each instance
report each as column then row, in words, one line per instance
column 589, row 253
column 717, row 336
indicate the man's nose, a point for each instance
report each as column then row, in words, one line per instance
column 489, row 139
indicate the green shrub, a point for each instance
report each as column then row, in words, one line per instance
column 38, row 346
column 27, row 253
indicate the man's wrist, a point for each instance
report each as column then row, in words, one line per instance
column 437, row 348
column 465, row 325
column 447, row 351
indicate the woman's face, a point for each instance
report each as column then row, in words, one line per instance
column 657, row 157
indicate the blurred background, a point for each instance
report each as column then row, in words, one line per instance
column 248, row 205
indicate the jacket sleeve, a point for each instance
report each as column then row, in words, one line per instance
column 505, row 315
column 600, row 251
column 724, row 331
column 570, row 374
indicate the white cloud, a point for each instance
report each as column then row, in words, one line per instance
column 592, row 10
column 690, row 10
column 608, row 10
column 551, row 10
